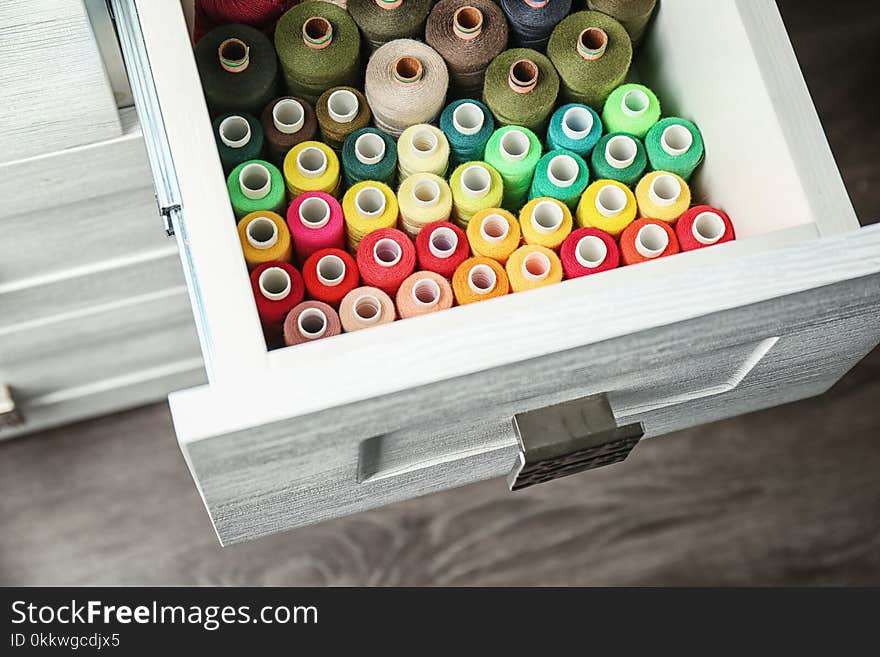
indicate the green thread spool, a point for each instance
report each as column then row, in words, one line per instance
column 255, row 186
column 631, row 108
column 341, row 111
column 318, row 45
column 632, row 14
column 369, row 154
column 619, row 157
column 239, row 138
column 514, row 152
column 475, row 186
column 562, row 175
column 381, row 22
column 521, row 88
column 675, row 145
column 590, row 78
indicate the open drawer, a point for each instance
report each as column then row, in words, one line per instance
column 293, row 436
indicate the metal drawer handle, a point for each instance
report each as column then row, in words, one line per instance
column 569, row 438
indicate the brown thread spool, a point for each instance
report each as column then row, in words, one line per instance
column 317, row 32
column 408, row 69
column 523, row 76
column 234, row 55
column 389, row 4
column 467, row 23
column 592, row 43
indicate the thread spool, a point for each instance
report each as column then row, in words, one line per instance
column 385, row 259
column 467, row 124
column 315, row 222
column 703, row 226
column 278, row 288
column 584, row 79
column 574, row 127
column 494, row 233
column 406, row 84
column 330, row 274
column 423, row 198
column 634, row 15
column 546, row 222
column 286, row 122
column 368, row 206
column 310, row 321
column 531, row 22
column 341, row 111
column 514, row 152
column 381, row 22
column 479, row 279
column 532, row 266
column 588, row 251
column 422, row 148
column 369, row 154
column 237, row 68
column 239, row 138
column 468, row 34
column 647, row 239
column 632, row 109
column 264, row 238
column 311, row 166
column 521, row 88
column 441, row 247
column 562, row 175
column 619, row 157
column 318, row 45
column 663, row 195
column 423, row 293
column 607, row 205
column 474, row 186
column 675, row 145
column 366, row 307
column 260, row 14
column 255, row 185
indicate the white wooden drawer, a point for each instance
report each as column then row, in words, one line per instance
column 289, row 437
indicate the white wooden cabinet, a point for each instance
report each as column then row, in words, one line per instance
column 283, row 438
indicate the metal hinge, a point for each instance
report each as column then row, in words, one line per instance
column 9, row 414
column 569, row 438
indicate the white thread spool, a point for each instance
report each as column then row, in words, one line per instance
column 494, row 228
column 312, row 323
column 476, row 181
column 562, row 170
column 370, row 201
column 274, row 283
column 288, row 116
column 651, row 241
column 262, row 233
column 343, row 106
column 482, row 279
column 330, row 270
column 536, row 266
column 468, row 119
column 577, row 123
column 254, row 181
column 387, row 252
column 664, row 190
column 611, row 201
column 676, row 140
column 311, row 162
column 235, row 131
column 443, row 242
column 621, row 151
column 590, row 251
column 514, row 145
column 708, row 228
column 314, row 212
column 547, row 217
column 369, row 148
column 426, row 293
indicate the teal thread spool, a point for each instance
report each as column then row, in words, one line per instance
column 467, row 124
column 631, row 108
column 576, row 128
column 521, row 87
column 239, row 138
column 369, row 154
column 562, row 175
column 514, row 152
column 621, row 157
column 256, row 185
column 675, row 145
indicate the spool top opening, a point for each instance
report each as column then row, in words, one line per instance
column 592, row 43
column 482, row 279
column 476, row 180
column 562, row 170
column 494, row 228
column 651, row 241
column 536, row 266
column 523, row 76
column 621, row 151
column 408, row 69
column 426, row 192
column 235, row 131
column 577, row 123
column 311, row 162
column 370, row 201
column 389, row 4
column 331, row 270
column 317, row 32
column 288, row 116
column 708, row 228
column 387, row 252
column 274, row 283
column 443, row 242
column 514, row 145
column 255, row 181
column 367, row 308
column 635, row 102
column 665, row 190
column 547, row 216
column 426, row 292
column 369, row 148
column 262, row 233
column 676, row 140
column 467, row 23
column 314, row 212
column 611, row 200
column 591, row 251
column 343, row 106
column 424, row 142
column 468, row 119
column 234, row 55
column 312, row 323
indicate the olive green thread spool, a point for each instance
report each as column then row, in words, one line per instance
column 521, row 88
column 341, row 111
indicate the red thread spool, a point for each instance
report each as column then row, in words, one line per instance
column 441, row 247
column 703, row 226
column 647, row 239
column 329, row 275
column 588, row 251
column 385, row 258
column 261, row 14
column 310, row 320
column 278, row 287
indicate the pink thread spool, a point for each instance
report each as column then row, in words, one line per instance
column 365, row 307
column 422, row 293
column 316, row 222
column 310, row 321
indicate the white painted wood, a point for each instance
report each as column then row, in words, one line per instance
column 55, row 92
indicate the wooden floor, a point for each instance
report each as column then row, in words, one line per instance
column 785, row 496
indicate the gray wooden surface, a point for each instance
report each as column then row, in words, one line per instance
column 785, row 496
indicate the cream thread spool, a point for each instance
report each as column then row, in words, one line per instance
column 494, row 228
column 468, row 119
column 443, row 242
column 343, row 106
column 330, row 270
column 369, row 148
column 426, row 293
column 592, row 43
column 536, row 266
column 467, row 23
column 635, row 102
column 610, row 201
column 621, row 151
column 235, row 131
column 577, row 123
column 424, row 143
column 314, row 212
column 370, row 202
column 591, row 251
column 312, row 323
column 547, row 217
column 676, row 140
column 387, row 252
column 426, row 193
column 317, row 32
column 476, row 181
column 651, row 241
column 288, row 116
column 367, row 309
column 311, row 162
column 708, row 228
column 407, row 70
column 514, row 145
column 481, row 279
column 234, row 55
column 262, row 233
column 255, row 181
column 274, row 283
column 664, row 190
column 562, row 170
column 523, row 76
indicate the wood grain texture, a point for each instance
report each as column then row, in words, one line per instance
column 55, row 92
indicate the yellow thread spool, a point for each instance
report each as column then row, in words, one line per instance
column 264, row 237
column 546, row 222
column 532, row 266
column 422, row 148
column 311, row 166
column 479, row 279
column 423, row 199
column 663, row 195
column 607, row 205
column 367, row 206
column 494, row 233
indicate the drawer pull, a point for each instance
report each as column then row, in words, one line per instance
column 569, row 438
column 9, row 414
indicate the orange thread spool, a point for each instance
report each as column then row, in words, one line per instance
column 479, row 279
